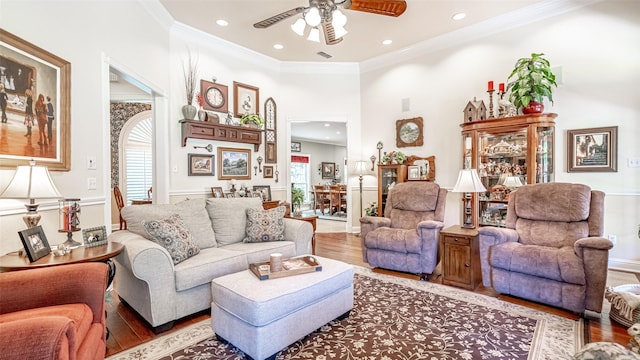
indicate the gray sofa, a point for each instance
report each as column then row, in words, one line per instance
column 161, row 292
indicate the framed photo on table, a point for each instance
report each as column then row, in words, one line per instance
column 264, row 190
column 413, row 172
column 592, row 150
column 217, row 192
column 95, row 236
column 35, row 243
column 201, row 165
column 234, row 164
column 28, row 67
column 246, row 99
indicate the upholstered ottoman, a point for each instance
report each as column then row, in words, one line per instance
column 261, row 317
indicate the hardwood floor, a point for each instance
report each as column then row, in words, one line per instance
column 127, row 329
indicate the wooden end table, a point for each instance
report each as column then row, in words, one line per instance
column 312, row 220
column 460, row 257
column 14, row 261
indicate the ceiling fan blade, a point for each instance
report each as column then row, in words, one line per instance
column 329, row 33
column 380, row 7
column 277, row 18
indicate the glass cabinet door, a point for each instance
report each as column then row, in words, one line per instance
column 544, row 154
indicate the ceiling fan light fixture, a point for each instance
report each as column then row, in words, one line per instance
column 339, row 19
column 312, row 17
column 314, row 35
column 340, row 31
column 298, row 27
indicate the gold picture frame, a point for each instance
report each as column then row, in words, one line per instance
column 234, row 164
column 47, row 74
column 592, row 149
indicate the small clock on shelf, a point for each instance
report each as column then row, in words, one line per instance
column 409, row 132
column 215, row 96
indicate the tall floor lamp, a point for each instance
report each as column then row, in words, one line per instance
column 468, row 182
column 31, row 182
column 361, row 169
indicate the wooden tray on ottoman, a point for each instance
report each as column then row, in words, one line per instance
column 293, row 266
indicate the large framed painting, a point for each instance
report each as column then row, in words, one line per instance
column 234, row 164
column 29, row 73
column 592, row 150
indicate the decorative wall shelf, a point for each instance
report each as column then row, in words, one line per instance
column 209, row 131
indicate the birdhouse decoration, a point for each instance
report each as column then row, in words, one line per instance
column 475, row 110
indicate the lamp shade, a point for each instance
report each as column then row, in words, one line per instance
column 512, row 182
column 361, row 167
column 468, row 182
column 31, row 182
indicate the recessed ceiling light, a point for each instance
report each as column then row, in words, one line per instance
column 327, row 124
column 222, row 22
column 459, row 16
column 278, row 46
column 387, row 42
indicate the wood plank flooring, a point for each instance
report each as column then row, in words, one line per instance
column 127, row 329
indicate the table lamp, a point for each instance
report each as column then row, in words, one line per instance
column 468, row 182
column 361, row 169
column 31, row 182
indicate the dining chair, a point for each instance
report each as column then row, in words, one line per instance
column 320, row 199
column 120, row 203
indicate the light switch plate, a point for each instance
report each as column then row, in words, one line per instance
column 91, row 183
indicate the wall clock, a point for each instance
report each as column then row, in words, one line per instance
column 270, row 134
column 409, row 132
column 215, row 96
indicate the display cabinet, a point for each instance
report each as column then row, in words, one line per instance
column 388, row 175
column 507, row 152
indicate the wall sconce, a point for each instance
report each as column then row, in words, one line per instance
column 373, row 162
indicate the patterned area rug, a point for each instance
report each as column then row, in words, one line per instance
column 395, row 318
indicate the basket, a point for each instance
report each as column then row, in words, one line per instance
column 611, row 294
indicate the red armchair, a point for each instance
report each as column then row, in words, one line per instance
column 54, row 312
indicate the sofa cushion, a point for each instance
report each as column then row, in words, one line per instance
column 173, row 235
column 395, row 240
column 414, row 196
column 229, row 217
column 193, row 213
column 265, row 225
column 208, row 265
column 554, row 202
column 559, row 264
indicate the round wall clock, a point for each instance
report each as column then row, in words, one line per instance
column 409, row 132
column 215, row 96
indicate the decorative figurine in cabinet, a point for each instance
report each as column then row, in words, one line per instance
column 388, row 176
column 507, row 152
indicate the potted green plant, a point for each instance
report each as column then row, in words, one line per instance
column 252, row 119
column 297, row 197
column 533, row 82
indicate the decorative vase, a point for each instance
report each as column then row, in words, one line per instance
column 189, row 112
column 534, row 107
column 202, row 115
column 297, row 211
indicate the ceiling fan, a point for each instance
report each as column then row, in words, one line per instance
column 324, row 13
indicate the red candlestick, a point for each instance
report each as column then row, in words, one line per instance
column 490, row 85
column 501, row 87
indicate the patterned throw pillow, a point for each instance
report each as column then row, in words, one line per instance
column 172, row 234
column 265, row 225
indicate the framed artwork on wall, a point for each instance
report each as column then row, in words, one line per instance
column 267, row 171
column 409, row 132
column 215, row 96
column 28, row 72
column 234, row 164
column 592, row 150
column 328, row 170
column 296, row 146
column 246, row 99
column 270, row 132
column 201, row 165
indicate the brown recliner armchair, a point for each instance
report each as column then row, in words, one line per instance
column 406, row 238
column 53, row 313
column 552, row 250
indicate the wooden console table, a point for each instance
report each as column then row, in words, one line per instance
column 210, row 131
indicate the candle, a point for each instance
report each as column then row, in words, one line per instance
column 490, row 85
column 275, row 260
column 501, row 87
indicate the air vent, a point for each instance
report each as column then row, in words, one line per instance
column 324, row 55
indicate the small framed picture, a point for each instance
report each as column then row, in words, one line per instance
column 264, row 190
column 35, row 243
column 328, row 170
column 267, row 171
column 413, row 172
column 246, row 99
column 229, row 194
column 201, row 165
column 95, row 236
column 295, row 146
column 217, row 192
column 592, row 150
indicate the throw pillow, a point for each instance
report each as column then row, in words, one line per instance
column 193, row 212
column 265, row 225
column 229, row 217
column 173, row 235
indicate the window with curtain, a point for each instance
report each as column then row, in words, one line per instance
column 300, row 174
column 138, row 160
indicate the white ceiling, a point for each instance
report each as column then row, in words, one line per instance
column 422, row 20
